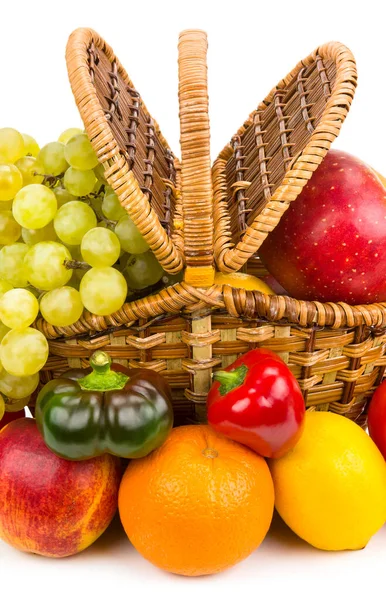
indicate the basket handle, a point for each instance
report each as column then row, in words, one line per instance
column 196, row 177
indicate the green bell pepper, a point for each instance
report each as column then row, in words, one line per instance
column 108, row 408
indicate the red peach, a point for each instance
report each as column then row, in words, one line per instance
column 49, row 505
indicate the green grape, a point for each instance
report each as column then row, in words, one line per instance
column 51, row 156
column 31, row 147
column 96, row 204
column 79, row 274
column 142, row 270
column 103, row 290
column 66, row 135
column 72, row 221
column 33, row 236
column 169, row 279
column 97, row 191
column 23, row 352
column 45, row 268
column 62, row 196
column 37, row 293
column 100, row 247
column 16, row 388
column 16, row 405
column 130, row 236
column 2, row 408
column 18, row 308
column 75, row 252
column 61, row 307
column 79, row 183
column 99, row 171
column 74, row 281
column 112, row 208
column 80, row 154
column 12, row 267
column 9, row 229
column 106, row 225
column 3, row 331
column 6, row 205
column 11, row 145
column 5, row 286
column 34, row 206
column 31, row 170
column 11, row 181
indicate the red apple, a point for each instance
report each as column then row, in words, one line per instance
column 330, row 244
column 274, row 285
column 377, row 418
column 49, row 505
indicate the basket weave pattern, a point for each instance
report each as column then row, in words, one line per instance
column 196, row 217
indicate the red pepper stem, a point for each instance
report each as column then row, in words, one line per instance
column 229, row 380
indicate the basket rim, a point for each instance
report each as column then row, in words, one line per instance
column 168, row 250
column 183, row 299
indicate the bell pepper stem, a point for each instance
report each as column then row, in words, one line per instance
column 229, row 380
column 100, row 361
column 102, row 377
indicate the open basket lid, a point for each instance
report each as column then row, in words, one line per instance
column 138, row 162
column 189, row 215
column 275, row 152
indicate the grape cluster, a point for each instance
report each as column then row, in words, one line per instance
column 66, row 244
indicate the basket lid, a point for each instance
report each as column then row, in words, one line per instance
column 189, row 215
column 277, row 149
column 139, row 164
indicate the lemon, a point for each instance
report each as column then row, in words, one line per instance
column 242, row 280
column 331, row 488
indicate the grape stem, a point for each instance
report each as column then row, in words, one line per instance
column 50, row 180
column 76, row 264
column 106, row 220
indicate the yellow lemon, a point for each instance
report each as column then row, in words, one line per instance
column 242, row 280
column 331, row 488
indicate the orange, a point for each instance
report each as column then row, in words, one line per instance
column 199, row 504
column 244, row 281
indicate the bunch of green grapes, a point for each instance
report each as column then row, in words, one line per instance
column 66, row 244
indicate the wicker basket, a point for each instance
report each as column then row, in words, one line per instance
column 196, row 217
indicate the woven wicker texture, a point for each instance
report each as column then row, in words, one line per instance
column 336, row 351
column 275, row 152
column 196, row 177
column 138, row 162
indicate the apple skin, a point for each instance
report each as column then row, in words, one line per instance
column 330, row 243
column 48, row 505
column 274, row 285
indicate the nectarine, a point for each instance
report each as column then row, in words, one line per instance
column 49, row 505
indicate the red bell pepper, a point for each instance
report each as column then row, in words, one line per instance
column 377, row 418
column 257, row 401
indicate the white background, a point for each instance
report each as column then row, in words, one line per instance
column 252, row 46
